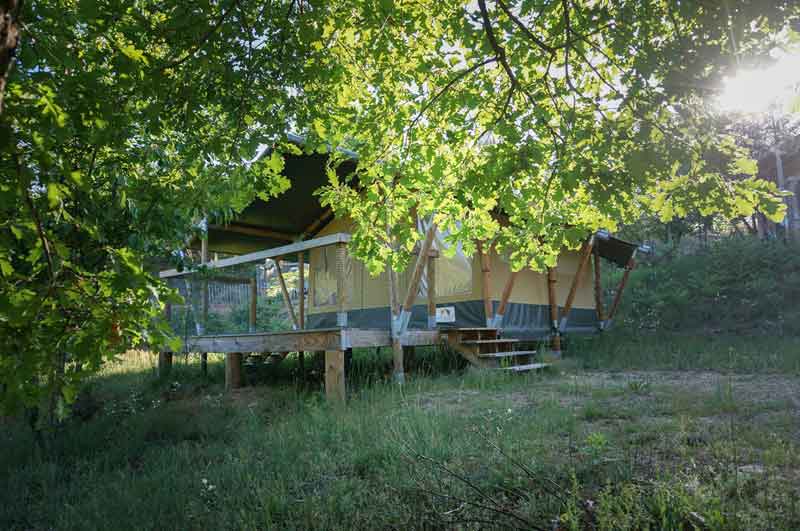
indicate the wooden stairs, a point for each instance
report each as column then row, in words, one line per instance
column 484, row 348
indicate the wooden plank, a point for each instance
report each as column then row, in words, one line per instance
column 598, row 289
column 204, row 304
column 253, row 303
column 269, row 342
column 233, row 370
column 586, row 253
column 326, row 215
column 485, row 284
column 164, row 364
column 301, row 288
column 431, row 278
column 501, row 309
column 260, row 256
column 335, row 389
column 416, row 276
column 555, row 336
column 341, row 258
column 253, row 230
column 286, row 299
column 620, row 288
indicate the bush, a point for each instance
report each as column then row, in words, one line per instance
column 736, row 285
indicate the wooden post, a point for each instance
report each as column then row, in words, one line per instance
column 497, row 321
column 301, row 290
column 555, row 337
column 397, row 346
column 431, row 277
column 416, row 276
column 620, row 288
column 341, row 258
column 485, row 285
column 233, row 370
column 253, row 303
column 164, row 364
column 204, row 303
column 285, row 292
column 586, row 252
column 598, row 291
column 335, row 389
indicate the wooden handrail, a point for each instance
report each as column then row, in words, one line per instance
column 260, row 256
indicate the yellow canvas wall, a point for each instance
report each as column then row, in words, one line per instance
column 363, row 291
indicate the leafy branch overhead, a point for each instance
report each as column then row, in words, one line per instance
column 534, row 122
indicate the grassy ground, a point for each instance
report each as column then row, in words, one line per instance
column 641, row 443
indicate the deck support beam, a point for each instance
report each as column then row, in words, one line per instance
column 497, row 320
column 285, row 292
column 233, row 370
column 431, row 278
column 586, row 253
column 486, row 271
column 341, row 258
column 416, row 276
column 335, row 389
column 598, row 291
column 618, row 295
column 555, row 336
column 204, row 303
column 301, row 290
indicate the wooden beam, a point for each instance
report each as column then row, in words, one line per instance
column 260, row 256
column 317, row 223
column 586, row 253
column 301, row 288
column 204, row 303
column 286, row 299
column 233, row 370
column 335, row 389
column 416, row 276
column 555, row 336
column 620, row 288
column 431, row 278
column 164, row 364
column 254, row 230
column 497, row 321
column 486, row 284
column 598, row 290
column 253, row 303
column 341, row 259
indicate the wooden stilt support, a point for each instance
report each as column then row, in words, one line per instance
column 204, row 304
column 164, row 364
column 586, row 253
column 497, row 321
column 416, row 276
column 335, row 389
column 598, row 291
column 431, row 277
column 341, row 258
column 285, row 292
column 253, row 304
column 618, row 295
column 233, row 370
column 301, row 290
column 486, row 285
column 555, row 336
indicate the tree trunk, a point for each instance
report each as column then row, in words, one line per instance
column 9, row 38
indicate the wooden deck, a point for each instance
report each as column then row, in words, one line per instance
column 306, row 340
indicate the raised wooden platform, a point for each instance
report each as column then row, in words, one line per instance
column 307, row 340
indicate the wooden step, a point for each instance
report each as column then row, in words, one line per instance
column 487, row 341
column 507, row 354
column 523, row 368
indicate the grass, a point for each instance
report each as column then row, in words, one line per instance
column 623, row 449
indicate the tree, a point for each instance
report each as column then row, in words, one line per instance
column 124, row 124
column 531, row 123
